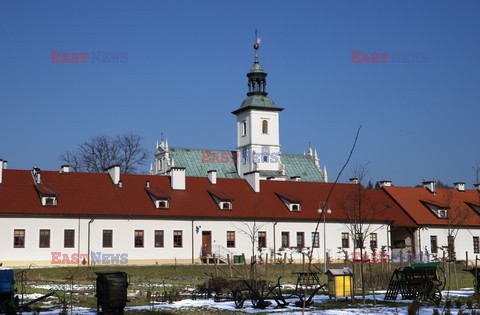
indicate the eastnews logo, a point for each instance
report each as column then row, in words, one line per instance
column 232, row 157
column 384, row 57
column 397, row 258
column 96, row 258
column 94, row 57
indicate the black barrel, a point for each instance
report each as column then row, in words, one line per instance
column 111, row 292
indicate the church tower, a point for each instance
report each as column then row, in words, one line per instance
column 258, row 139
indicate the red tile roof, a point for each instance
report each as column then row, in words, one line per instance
column 157, row 193
column 94, row 194
column 414, row 199
column 46, row 190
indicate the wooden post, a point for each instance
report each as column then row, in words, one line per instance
column 466, row 260
column 475, row 281
column 215, row 262
column 303, row 262
column 284, row 263
column 401, row 257
column 455, row 274
column 245, row 265
column 443, row 260
column 229, row 265
column 266, row 266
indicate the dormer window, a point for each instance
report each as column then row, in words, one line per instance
column 291, row 202
column 223, row 201
column 442, row 213
column 161, row 204
column 440, row 210
column 226, row 205
column 159, row 198
column 48, row 195
column 294, row 207
column 49, row 201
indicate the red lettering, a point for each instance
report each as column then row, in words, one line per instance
column 215, row 157
column 225, row 157
column 65, row 259
column 65, row 58
column 55, row 55
column 234, row 157
column 374, row 58
column 356, row 258
column 55, row 256
column 83, row 56
column 74, row 259
column 75, row 57
column 365, row 58
column 355, row 57
column 383, row 56
column 205, row 155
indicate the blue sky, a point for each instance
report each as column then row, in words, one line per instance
column 186, row 69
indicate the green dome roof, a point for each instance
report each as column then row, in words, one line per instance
column 256, row 67
column 258, row 102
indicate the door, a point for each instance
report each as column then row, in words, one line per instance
column 206, row 243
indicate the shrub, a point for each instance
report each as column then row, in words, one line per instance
column 458, row 303
column 414, row 307
column 448, row 303
column 469, row 303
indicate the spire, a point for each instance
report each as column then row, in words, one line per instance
column 166, row 144
column 257, row 82
column 325, row 175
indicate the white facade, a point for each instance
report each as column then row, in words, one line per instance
column 258, row 148
column 464, row 242
column 123, row 240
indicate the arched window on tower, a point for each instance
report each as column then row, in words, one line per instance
column 244, row 128
column 264, row 126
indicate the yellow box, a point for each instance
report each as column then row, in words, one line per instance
column 340, row 282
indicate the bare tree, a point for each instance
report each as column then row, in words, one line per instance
column 456, row 216
column 101, row 152
column 361, row 213
column 476, row 172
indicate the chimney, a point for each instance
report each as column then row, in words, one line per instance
column 295, row 178
column 430, row 185
column 177, row 177
column 1, row 170
column 353, row 180
column 114, row 172
column 212, row 176
column 477, row 186
column 36, row 175
column 385, row 183
column 65, row 168
column 460, row 186
column 120, row 184
column 147, row 184
column 5, row 164
column 253, row 179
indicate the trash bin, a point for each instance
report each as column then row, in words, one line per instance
column 111, row 291
column 340, row 282
column 7, row 281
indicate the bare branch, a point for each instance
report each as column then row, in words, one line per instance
column 101, row 152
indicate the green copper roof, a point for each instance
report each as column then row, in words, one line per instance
column 197, row 163
column 301, row 165
column 258, row 102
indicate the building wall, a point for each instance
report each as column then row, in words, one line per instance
column 463, row 241
column 123, row 239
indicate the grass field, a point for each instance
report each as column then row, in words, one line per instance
column 148, row 282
